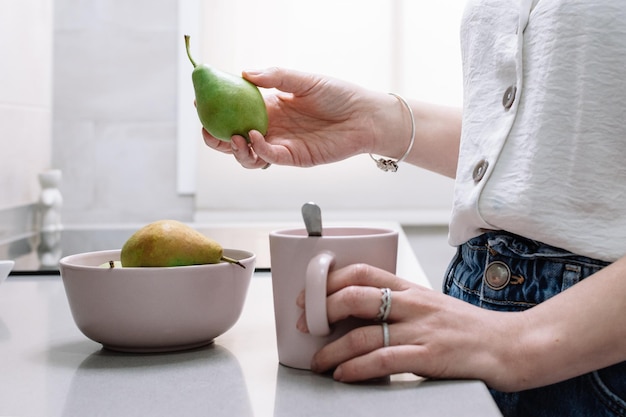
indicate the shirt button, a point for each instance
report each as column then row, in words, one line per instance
column 497, row 275
column 479, row 170
column 509, row 97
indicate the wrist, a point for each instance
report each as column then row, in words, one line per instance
column 524, row 359
column 387, row 164
column 394, row 127
column 501, row 355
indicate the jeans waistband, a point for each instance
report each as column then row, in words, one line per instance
column 504, row 271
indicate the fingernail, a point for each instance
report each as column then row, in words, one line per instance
column 314, row 366
column 233, row 146
column 253, row 72
column 300, row 300
column 301, row 325
column 338, row 374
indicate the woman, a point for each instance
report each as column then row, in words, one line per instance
column 533, row 300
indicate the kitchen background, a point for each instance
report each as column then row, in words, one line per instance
column 101, row 91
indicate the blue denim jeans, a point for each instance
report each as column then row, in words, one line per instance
column 504, row 272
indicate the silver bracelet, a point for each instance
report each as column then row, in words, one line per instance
column 390, row 164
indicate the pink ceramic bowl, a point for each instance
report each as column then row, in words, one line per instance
column 154, row 309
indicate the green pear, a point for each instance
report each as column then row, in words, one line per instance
column 171, row 243
column 227, row 105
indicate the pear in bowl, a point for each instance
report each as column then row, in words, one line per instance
column 155, row 309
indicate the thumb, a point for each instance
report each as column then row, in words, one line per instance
column 288, row 81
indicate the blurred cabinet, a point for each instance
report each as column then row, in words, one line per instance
column 407, row 47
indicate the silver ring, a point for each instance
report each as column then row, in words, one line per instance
column 385, row 305
column 385, row 334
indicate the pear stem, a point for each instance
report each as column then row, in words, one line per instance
column 189, row 53
column 233, row 261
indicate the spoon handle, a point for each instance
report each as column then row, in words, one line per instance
column 312, row 215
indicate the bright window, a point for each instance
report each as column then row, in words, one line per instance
column 409, row 47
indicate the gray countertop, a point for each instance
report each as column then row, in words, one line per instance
column 48, row 368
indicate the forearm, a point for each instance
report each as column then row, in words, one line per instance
column 437, row 134
column 575, row 332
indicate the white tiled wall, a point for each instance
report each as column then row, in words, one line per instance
column 114, row 134
column 25, row 98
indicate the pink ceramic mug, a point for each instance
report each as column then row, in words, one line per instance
column 301, row 262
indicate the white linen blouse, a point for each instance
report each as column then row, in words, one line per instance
column 543, row 145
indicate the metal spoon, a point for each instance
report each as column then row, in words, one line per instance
column 312, row 215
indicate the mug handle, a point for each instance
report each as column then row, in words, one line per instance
column 315, row 293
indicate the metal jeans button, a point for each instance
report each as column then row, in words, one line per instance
column 497, row 275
